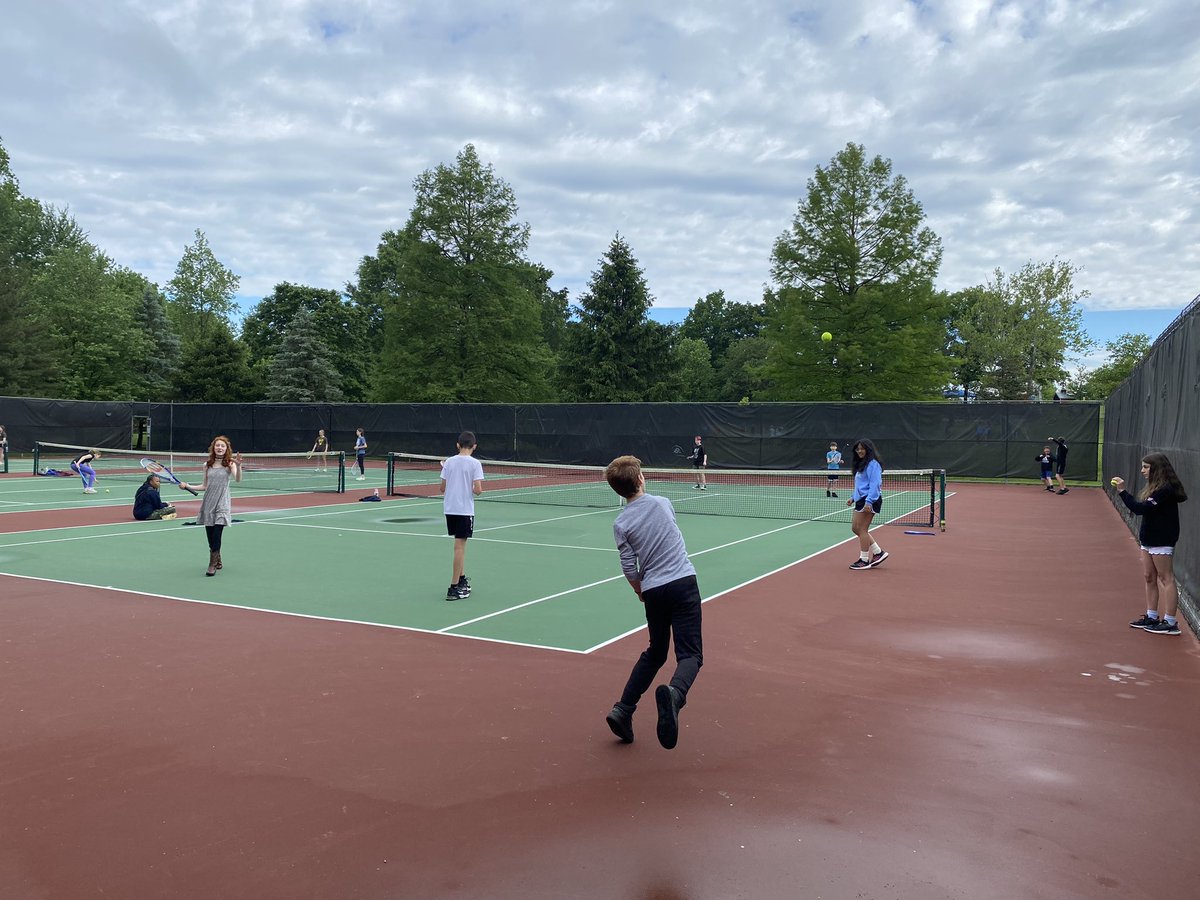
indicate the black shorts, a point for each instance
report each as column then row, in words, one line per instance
column 833, row 476
column 1061, row 468
column 697, row 464
column 461, row 527
column 861, row 503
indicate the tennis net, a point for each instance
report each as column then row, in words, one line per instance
column 915, row 497
column 290, row 473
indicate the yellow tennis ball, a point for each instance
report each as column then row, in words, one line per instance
column 1114, row 482
column 106, row 490
column 827, row 337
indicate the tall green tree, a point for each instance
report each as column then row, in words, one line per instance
column 301, row 370
column 462, row 319
column 860, row 263
column 1011, row 335
column 342, row 327
column 201, row 292
column 90, row 309
column 214, row 370
column 28, row 355
column 615, row 352
column 1125, row 354
column 155, row 368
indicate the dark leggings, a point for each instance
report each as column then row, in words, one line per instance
column 361, row 461
column 214, row 537
column 672, row 608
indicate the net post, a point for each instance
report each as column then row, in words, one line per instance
column 391, row 473
column 341, row 485
column 37, row 452
column 942, row 499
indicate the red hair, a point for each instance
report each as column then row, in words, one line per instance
column 212, row 452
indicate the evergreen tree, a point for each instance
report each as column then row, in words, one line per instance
column 214, row 370
column 156, row 368
column 615, row 352
column 342, row 327
column 301, row 371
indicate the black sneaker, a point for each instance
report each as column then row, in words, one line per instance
column 828, row 494
column 878, row 558
column 456, row 593
column 1064, row 490
column 834, row 494
column 621, row 723
column 1143, row 622
column 1050, row 489
column 667, row 699
column 1161, row 626
column 464, row 586
column 860, row 563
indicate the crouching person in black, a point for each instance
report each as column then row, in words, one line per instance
column 147, row 504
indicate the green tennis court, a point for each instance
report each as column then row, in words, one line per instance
column 542, row 576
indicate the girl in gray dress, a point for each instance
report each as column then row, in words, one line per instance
column 216, row 509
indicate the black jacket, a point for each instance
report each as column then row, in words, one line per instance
column 1160, row 517
column 146, row 501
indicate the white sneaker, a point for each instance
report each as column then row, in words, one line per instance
column 361, row 478
column 89, row 490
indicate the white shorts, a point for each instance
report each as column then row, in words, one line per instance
column 1159, row 551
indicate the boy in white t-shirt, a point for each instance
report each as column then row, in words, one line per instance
column 462, row 481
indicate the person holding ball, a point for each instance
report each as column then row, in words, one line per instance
column 1158, row 534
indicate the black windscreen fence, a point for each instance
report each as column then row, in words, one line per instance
column 1157, row 409
column 985, row 440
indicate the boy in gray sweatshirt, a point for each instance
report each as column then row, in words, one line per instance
column 655, row 562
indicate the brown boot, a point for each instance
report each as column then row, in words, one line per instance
column 212, row 563
column 218, row 559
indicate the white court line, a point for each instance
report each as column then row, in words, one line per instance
column 279, row 612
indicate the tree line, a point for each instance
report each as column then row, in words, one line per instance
column 449, row 308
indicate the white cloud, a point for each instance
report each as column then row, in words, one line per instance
column 290, row 131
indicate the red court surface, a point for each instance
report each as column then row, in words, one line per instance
column 972, row 720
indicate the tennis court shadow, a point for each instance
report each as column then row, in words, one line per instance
column 408, row 520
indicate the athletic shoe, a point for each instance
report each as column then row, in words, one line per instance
column 1064, row 490
column 361, row 478
column 1143, row 622
column 704, row 487
column 455, row 593
column 878, row 558
column 621, row 723
column 1050, row 489
column 89, row 490
column 860, row 563
column 464, row 586
column 667, row 699
column 1161, row 627
column 834, row 494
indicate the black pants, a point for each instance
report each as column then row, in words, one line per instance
column 673, row 608
column 214, row 537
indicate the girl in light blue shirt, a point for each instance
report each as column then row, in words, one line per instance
column 867, row 500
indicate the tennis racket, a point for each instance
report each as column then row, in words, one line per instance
column 162, row 471
column 678, row 451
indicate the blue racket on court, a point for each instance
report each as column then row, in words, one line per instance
column 162, row 471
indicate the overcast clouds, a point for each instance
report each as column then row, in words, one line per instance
column 290, row 131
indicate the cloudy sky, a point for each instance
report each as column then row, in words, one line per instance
column 290, row 131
